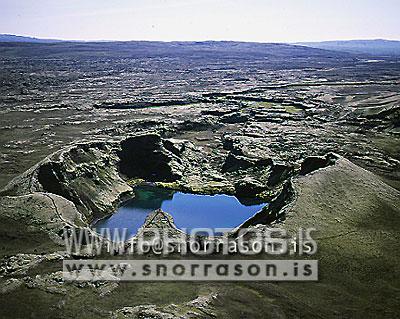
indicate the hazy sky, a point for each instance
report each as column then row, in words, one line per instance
column 247, row 20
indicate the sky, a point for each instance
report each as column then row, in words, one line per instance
column 186, row 20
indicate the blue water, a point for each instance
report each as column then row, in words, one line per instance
column 188, row 210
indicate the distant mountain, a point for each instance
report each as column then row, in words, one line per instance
column 22, row 45
column 377, row 47
column 18, row 38
column 186, row 50
column 225, row 49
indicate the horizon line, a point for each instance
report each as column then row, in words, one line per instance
column 203, row 40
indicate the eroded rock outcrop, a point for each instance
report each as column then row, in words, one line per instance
column 150, row 158
column 275, row 211
column 248, row 187
column 94, row 175
column 201, row 307
column 85, row 174
column 313, row 163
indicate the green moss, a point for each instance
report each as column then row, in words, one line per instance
column 266, row 195
column 135, row 181
column 264, row 104
column 170, row 185
column 211, row 188
column 292, row 109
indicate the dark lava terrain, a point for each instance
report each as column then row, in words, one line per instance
column 314, row 132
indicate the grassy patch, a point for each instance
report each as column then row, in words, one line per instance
column 292, row 109
column 264, row 104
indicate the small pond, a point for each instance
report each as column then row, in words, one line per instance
column 188, row 210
